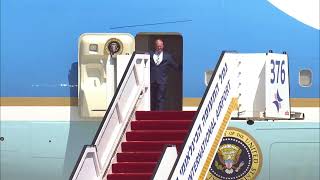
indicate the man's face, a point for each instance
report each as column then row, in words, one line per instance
column 159, row 46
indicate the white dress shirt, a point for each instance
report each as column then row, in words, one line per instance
column 157, row 58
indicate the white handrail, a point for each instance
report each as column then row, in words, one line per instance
column 166, row 163
column 210, row 122
column 132, row 93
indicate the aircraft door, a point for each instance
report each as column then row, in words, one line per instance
column 99, row 70
column 173, row 44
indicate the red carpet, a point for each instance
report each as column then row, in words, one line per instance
column 150, row 132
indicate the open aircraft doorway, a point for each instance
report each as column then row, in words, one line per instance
column 173, row 44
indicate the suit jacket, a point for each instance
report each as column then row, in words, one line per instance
column 159, row 73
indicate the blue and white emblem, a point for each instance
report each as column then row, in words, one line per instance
column 277, row 100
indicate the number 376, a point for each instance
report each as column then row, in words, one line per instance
column 278, row 67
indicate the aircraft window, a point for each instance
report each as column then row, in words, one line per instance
column 207, row 77
column 305, row 78
column 93, row 47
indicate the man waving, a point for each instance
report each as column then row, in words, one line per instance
column 160, row 63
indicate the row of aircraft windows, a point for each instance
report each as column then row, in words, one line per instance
column 305, row 77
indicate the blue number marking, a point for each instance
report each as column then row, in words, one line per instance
column 278, row 64
column 272, row 71
column 283, row 73
column 280, row 70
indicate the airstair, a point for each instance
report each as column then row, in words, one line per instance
column 136, row 144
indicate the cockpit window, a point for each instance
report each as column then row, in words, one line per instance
column 305, row 78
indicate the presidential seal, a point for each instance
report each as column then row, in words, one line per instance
column 113, row 46
column 238, row 157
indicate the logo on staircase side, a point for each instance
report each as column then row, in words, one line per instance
column 277, row 101
column 238, row 157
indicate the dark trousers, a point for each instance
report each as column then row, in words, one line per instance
column 158, row 92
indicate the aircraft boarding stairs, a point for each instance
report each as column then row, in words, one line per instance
column 150, row 133
column 134, row 143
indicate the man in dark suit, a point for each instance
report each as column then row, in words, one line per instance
column 159, row 66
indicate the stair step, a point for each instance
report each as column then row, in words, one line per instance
column 129, row 176
column 138, row 156
column 134, row 167
column 165, row 115
column 148, row 146
column 156, row 135
column 161, row 125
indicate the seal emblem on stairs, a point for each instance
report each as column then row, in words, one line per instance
column 238, row 157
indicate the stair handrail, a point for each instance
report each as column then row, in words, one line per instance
column 198, row 119
column 133, row 92
column 166, row 163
